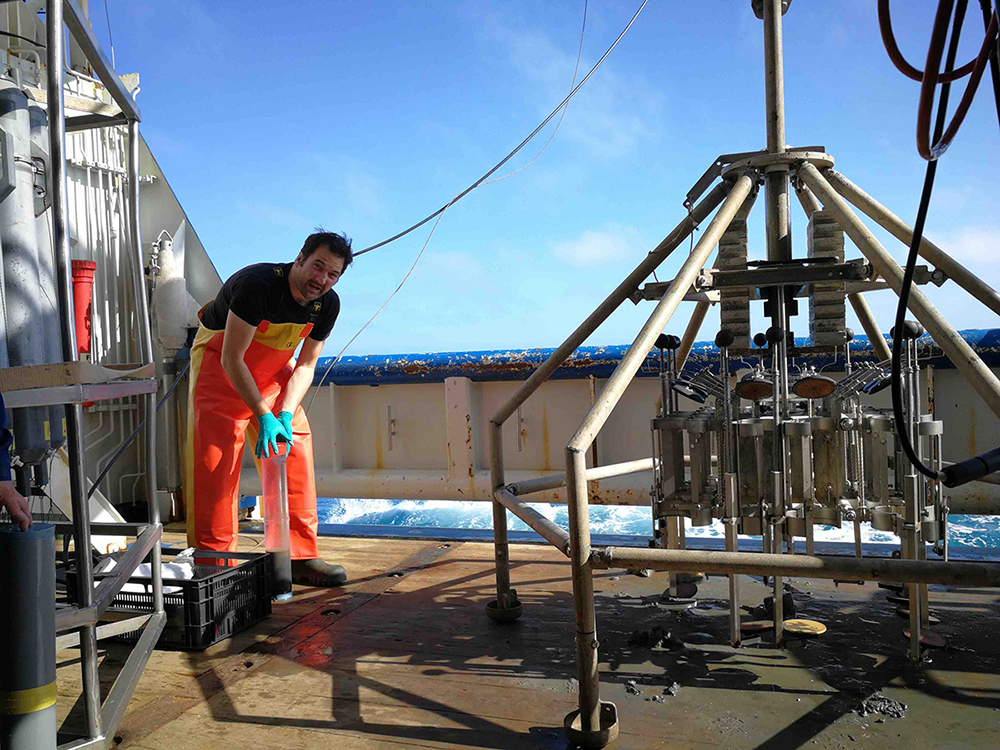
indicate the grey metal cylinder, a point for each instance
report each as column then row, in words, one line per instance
column 28, row 638
column 47, row 295
column 25, row 334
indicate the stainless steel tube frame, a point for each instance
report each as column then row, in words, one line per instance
column 576, row 461
column 903, row 232
column 980, row 377
column 552, row 481
column 74, row 413
column 501, row 550
column 553, row 534
column 79, row 25
column 583, row 590
column 148, row 355
column 802, row 566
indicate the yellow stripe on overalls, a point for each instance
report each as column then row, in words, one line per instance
column 18, row 702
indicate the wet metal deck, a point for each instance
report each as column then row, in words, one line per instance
column 405, row 657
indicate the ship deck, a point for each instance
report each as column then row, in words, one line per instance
column 404, row 656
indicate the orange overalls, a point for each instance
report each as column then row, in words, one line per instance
column 219, row 420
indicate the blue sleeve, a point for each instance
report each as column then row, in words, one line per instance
column 5, row 441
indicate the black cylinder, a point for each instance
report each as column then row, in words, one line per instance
column 28, row 638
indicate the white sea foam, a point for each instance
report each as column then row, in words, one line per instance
column 974, row 531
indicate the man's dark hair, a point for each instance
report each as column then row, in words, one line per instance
column 338, row 244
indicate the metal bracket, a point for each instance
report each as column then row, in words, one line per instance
column 7, row 178
column 391, row 424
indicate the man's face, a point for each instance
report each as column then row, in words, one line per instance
column 313, row 277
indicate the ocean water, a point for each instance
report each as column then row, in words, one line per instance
column 972, row 531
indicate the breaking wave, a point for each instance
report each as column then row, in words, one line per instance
column 971, row 531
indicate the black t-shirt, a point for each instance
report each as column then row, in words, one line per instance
column 260, row 292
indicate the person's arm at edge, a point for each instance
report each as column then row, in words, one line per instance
column 235, row 343
column 10, row 498
column 302, row 376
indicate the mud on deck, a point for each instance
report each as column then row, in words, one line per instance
column 404, row 656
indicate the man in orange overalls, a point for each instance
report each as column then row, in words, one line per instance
column 243, row 381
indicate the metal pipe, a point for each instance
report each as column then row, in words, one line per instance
column 776, row 182
column 148, row 355
column 800, row 566
column 583, row 590
column 76, row 21
column 980, row 377
column 501, row 548
column 74, row 412
column 619, row 295
column 553, row 481
column 553, row 534
column 808, row 200
column 875, row 337
column 701, row 309
column 903, row 232
column 665, row 308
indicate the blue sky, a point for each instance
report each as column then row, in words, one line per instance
column 271, row 118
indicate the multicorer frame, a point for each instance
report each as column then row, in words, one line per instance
column 776, row 453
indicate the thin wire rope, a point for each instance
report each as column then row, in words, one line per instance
column 509, row 156
column 111, row 41
column 384, row 304
column 576, row 71
column 564, row 106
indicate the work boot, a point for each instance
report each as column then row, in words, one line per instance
column 316, row 572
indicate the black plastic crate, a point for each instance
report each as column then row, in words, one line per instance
column 220, row 601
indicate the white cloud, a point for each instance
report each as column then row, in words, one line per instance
column 971, row 244
column 609, row 116
column 597, row 247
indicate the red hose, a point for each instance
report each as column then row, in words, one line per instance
column 932, row 76
column 889, row 40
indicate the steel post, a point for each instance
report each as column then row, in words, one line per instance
column 980, row 377
column 74, row 413
column 148, row 356
column 776, row 182
column 583, row 590
column 500, row 546
column 903, row 232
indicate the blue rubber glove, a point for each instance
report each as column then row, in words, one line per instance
column 285, row 417
column 269, row 430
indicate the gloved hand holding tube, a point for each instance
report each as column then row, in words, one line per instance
column 271, row 430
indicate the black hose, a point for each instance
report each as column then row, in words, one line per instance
column 138, row 429
column 902, row 428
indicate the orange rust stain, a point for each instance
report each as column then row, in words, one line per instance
column 545, row 441
column 379, row 463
